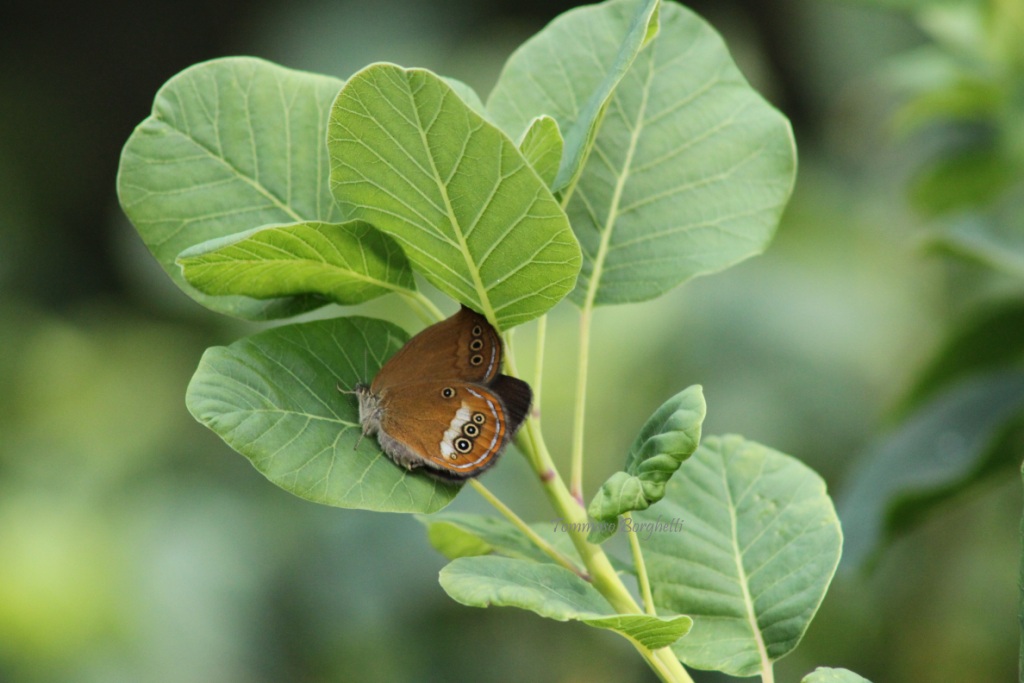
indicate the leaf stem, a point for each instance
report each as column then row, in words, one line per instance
column 641, row 566
column 542, row 330
column 424, row 307
column 579, row 415
column 527, row 530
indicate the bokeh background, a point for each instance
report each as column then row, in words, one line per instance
column 135, row 546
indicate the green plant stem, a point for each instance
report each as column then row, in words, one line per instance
column 538, row 374
column 579, row 415
column 424, row 307
column 641, row 566
column 602, row 574
column 527, row 530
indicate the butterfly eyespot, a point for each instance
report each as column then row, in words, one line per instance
column 479, row 418
column 470, row 429
column 476, row 344
column 463, row 445
column 476, row 360
column 447, row 392
column 477, row 330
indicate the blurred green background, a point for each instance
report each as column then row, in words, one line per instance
column 135, row 546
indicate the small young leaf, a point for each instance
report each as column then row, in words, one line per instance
column 542, row 147
column 569, row 71
column 232, row 144
column 944, row 447
column 454, row 542
column 668, row 438
column 759, row 545
column 274, row 398
column 553, row 592
column 347, row 263
column 824, row 674
column 450, row 534
column 409, row 156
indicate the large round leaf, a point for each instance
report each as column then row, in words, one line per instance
column 410, row 157
column 274, row 398
column 747, row 545
column 690, row 169
column 232, row 144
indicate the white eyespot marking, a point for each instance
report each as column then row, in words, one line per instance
column 454, row 431
column 493, row 409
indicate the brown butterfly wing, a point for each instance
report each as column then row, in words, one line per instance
column 454, row 430
column 463, row 347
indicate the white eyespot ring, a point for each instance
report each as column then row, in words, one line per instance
column 470, row 430
column 479, row 418
column 477, row 331
column 463, row 445
column 447, row 392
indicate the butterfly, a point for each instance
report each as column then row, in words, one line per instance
column 441, row 404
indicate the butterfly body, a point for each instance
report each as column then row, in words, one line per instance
column 441, row 402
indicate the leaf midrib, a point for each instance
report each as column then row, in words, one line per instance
column 613, row 208
column 741, row 573
column 442, row 189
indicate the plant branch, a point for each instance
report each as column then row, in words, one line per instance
column 602, row 574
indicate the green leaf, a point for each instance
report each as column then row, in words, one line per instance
column 232, row 144
column 691, row 168
column 994, row 240
column 542, row 147
column 455, row 534
column 943, row 448
column 569, row 71
column 347, row 263
column 668, row 438
column 409, row 156
column 454, row 541
column 273, row 397
column 458, row 534
column 963, row 179
column 759, row 545
column 467, row 95
column 553, row 592
column 985, row 341
column 824, row 674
